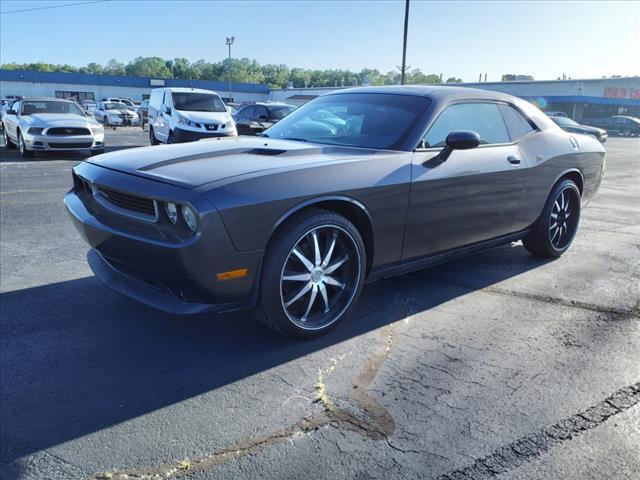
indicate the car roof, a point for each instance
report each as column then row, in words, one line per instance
column 436, row 91
column 187, row 90
column 40, row 99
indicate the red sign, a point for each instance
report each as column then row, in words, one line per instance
column 613, row 92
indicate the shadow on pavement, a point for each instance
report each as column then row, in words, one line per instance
column 77, row 358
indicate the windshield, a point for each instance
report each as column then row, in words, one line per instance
column 32, row 107
column 198, row 102
column 278, row 113
column 564, row 122
column 367, row 120
column 115, row 106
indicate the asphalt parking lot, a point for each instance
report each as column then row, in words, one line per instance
column 496, row 366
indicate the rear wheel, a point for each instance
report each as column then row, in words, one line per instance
column 313, row 273
column 626, row 132
column 554, row 231
column 24, row 151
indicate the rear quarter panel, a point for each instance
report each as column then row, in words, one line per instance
column 549, row 155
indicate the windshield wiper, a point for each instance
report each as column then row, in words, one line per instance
column 295, row 139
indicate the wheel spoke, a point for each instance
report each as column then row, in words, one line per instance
column 298, row 277
column 553, row 226
column 305, row 261
column 333, row 281
column 568, row 214
column 554, row 215
column 327, row 257
column 316, row 248
column 300, row 294
column 562, row 200
column 325, row 298
column 554, row 234
column 332, row 268
column 557, row 207
column 314, row 293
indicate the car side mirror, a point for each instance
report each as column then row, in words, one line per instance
column 458, row 140
column 167, row 110
column 262, row 118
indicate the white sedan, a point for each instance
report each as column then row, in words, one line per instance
column 46, row 124
column 115, row 114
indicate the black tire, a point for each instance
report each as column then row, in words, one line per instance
column 22, row 148
column 555, row 229
column 152, row 137
column 8, row 144
column 170, row 138
column 332, row 290
column 105, row 121
column 626, row 132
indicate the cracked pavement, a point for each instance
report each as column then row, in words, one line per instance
column 496, row 366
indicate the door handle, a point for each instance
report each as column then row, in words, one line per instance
column 514, row 159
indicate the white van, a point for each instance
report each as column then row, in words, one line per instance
column 187, row 114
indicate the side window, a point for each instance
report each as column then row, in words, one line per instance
column 517, row 125
column 483, row 118
column 16, row 107
column 260, row 111
column 247, row 113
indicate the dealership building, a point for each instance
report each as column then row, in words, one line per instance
column 589, row 98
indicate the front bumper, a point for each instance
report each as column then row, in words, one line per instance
column 181, row 135
column 144, row 261
column 60, row 142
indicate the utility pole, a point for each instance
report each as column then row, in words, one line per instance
column 404, row 43
column 230, row 41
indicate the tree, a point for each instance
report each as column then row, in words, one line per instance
column 454, row 80
column 155, row 67
column 114, row 67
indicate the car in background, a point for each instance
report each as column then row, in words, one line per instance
column 572, row 126
column 88, row 106
column 143, row 112
column 127, row 101
column 5, row 106
column 255, row 118
column 623, row 125
column 179, row 115
column 115, row 114
column 50, row 124
column 557, row 114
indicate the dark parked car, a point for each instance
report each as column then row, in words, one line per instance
column 294, row 222
column 618, row 124
column 572, row 126
column 143, row 112
column 257, row 117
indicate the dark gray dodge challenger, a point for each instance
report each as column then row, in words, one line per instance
column 354, row 186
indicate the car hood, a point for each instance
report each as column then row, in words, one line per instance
column 58, row 119
column 204, row 117
column 198, row 163
column 128, row 112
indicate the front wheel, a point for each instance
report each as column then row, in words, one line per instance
column 152, row 137
column 24, row 151
column 313, row 273
column 7, row 141
column 554, row 231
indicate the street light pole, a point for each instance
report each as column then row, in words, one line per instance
column 230, row 41
column 404, row 43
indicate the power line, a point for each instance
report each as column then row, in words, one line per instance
column 52, row 6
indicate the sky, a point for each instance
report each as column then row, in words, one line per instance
column 546, row 39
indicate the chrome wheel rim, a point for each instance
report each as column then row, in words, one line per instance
column 21, row 144
column 564, row 218
column 320, row 277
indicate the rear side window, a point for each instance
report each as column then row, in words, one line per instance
column 483, row 118
column 517, row 125
column 155, row 100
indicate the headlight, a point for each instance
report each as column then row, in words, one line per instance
column 35, row 131
column 189, row 218
column 172, row 212
column 97, row 130
column 187, row 122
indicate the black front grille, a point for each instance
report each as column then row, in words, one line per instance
column 212, row 127
column 68, row 131
column 129, row 202
column 70, row 145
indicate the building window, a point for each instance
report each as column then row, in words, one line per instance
column 77, row 96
